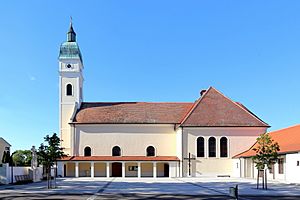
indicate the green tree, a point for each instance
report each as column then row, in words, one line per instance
column 22, row 158
column 266, row 155
column 48, row 153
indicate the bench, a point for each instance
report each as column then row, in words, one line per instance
column 21, row 179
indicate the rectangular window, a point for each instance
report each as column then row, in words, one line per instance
column 271, row 170
column 132, row 168
column 280, row 165
column 200, row 147
column 7, row 148
column 298, row 163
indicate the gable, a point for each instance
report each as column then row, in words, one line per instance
column 213, row 109
column 3, row 142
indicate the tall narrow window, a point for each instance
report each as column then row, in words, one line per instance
column 69, row 90
column 223, row 147
column 200, row 147
column 280, row 165
column 212, row 147
column 150, row 151
column 87, row 151
column 116, row 151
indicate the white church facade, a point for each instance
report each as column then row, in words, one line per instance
column 145, row 139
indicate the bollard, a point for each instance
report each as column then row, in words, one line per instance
column 233, row 192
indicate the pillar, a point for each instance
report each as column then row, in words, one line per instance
column 76, row 169
column 123, row 169
column 154, row 170
column 107, row 170
column 180, row 168
column 139, row 170
column 92, row 169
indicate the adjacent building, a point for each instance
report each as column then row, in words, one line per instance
column 4, row 147
column 287, row 168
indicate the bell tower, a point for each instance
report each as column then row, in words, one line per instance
column 70, row 87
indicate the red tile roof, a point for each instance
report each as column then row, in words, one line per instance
column 215, row 109
column 120, row 158
column 212, row 109
column 132, row 113
column 288, row 140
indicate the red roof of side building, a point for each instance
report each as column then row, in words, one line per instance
column 120, row 158
column 288, row 140
column 212, row 109
column 215, row 109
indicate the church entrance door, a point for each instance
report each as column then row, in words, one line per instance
column 116, row 169
column 166, row 170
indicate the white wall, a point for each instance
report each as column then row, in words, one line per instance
column 236, row 167
column 292, row 170
column 132, row 139
column 4, row 174
column 239, row 140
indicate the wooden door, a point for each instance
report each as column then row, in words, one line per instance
column 116, row 169
column 166, row 170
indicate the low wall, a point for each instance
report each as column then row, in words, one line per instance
column 7, row 172
column 4, row 174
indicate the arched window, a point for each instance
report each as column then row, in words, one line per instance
column 116, row 151
column 69, row 90
column 212, row 147
column 150, row 151
column 200, row 147
column 87, row 151
column 223, row 147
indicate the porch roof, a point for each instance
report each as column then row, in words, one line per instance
column 120, row 158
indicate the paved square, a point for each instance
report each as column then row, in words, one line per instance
column 164, row 188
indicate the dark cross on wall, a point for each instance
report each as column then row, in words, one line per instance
column 189, row 162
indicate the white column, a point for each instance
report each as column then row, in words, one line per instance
column 76, row 169
column 92, row 169
column 123, row 169
column 154, row 170
column 178, row 169
column 107, row 170
column 139, row 170
column 180, row 165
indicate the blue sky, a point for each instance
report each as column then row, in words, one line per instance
column 148, row 51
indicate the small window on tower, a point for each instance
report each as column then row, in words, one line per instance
column 69, row 66
column 69, row 90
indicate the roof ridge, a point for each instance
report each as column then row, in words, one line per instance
column 286, row 128
column 194, row 107
column 5, row 141
column 243, row 107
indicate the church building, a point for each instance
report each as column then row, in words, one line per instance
column 147, row 139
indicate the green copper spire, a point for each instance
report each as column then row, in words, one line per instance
column 70, row 48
